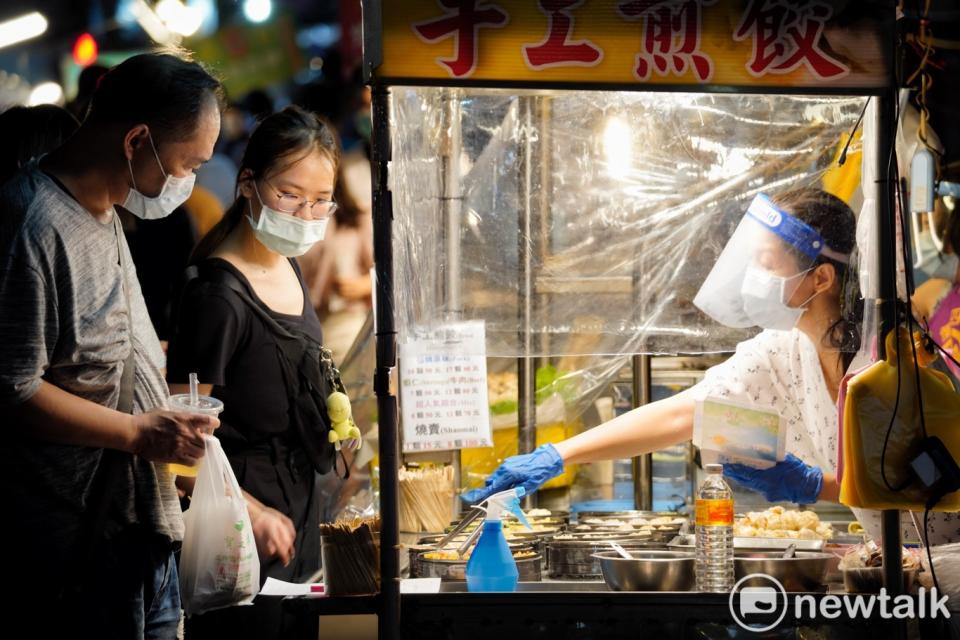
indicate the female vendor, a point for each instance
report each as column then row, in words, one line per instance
column 787, row 269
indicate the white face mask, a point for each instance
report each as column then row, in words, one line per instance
column 764, row 299
column 285, row 234
column 174, row 193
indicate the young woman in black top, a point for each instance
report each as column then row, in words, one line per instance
column 285, row 197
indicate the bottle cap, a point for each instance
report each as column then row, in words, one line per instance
column 712, row 469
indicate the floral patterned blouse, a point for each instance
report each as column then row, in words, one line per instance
column 780, row 370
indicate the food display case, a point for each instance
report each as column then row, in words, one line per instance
column 565, row 175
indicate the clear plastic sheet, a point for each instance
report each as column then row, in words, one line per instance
column 585, row 222
column 567, row 393
column 357, row 494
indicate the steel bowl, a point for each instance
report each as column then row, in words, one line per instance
column 648, row 570
column 575, row 559
column 807, row 571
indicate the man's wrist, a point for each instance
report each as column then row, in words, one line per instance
column 126, row 439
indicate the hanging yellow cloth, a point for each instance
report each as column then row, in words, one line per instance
column 842, row 181
column 868, row 406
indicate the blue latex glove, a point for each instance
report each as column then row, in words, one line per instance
column 790, row 480
column 530, row 471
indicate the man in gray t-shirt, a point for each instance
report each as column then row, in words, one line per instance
column 93, row 515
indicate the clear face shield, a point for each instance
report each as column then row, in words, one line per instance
column 760, row 269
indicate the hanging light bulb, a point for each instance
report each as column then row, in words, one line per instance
column 178, row 17
column 617, row 147
column 46, row 93
column 257, row 10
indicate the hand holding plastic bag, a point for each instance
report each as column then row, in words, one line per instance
column 530, row 471
column 219, row 566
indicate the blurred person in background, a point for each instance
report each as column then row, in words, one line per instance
column 234, row 136
column 30, row 132
column 82, row 394
column 357, row 126
column 258, row 104
column 205, row 209
column 337, row 272
column 936, row 302
column 238, row 120
column 161, row 251
column 218, row 177
column 86, row 85
column 246, row 268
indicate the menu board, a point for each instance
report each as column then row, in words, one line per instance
column 443, row 388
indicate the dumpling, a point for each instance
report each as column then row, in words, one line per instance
column 808, row 520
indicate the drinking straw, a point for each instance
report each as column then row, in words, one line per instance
column 194, row 395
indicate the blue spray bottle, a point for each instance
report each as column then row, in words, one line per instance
column 491, row 566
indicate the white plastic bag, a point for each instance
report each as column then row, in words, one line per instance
column 219, row 566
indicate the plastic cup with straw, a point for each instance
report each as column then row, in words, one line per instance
column 192, row 402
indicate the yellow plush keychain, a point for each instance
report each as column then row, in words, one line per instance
column 342, row 426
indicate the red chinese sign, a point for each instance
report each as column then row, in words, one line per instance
column 732, row 42
column 463, row 21
column 558, row 48
column 786, row 34
column 671, row 38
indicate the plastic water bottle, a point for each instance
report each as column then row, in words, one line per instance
column 714, row 526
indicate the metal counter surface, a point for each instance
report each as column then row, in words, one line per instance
column 570, row 609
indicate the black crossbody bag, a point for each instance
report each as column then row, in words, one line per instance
column 309, row 373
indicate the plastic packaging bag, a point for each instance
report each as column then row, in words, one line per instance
column 219, row 566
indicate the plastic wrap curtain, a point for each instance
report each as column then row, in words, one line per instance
column 622, row 200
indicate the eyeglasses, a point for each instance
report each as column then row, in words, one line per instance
column 291, row 203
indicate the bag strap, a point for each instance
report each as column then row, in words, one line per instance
column 330, row 370
column 128, row 377
column 112, row 461
column 227, row 279
column 224, row 277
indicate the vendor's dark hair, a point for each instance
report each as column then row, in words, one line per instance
column 166, row 91
column 279, row 141
column 835, row 222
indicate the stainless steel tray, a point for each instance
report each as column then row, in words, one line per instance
column 530, row 569
column 689, row 541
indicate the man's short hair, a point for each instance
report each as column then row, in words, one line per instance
column 166, row 91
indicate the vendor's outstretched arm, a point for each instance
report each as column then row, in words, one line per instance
column 830, row 491
column 648, row 428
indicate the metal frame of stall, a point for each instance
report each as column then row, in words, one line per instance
column 387, row 603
